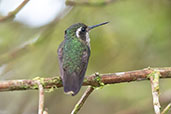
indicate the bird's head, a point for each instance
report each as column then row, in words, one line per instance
column 80, row 31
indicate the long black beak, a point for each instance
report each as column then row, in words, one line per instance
column 94, row 26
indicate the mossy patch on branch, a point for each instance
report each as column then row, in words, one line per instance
column 98, row 80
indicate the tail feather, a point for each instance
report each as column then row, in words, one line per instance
column 72, row 84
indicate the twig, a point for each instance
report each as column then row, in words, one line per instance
column 112, row 78
column 166, row 110
column 154, row 78
column 41, row 98
column 86, row 3
column 21, row 50
column 12, row 14
column 45, row 112
column 82, row 100
column 11, row 55
column 144, row 105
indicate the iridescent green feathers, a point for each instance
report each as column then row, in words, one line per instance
column 73, row 53
column 73, row 56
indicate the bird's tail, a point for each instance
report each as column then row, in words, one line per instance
column 72, row 84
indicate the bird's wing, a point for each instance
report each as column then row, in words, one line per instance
column 60, row 57
column 72, row 80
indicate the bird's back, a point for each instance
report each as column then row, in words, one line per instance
column 73, row 58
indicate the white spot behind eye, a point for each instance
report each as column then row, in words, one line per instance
column 88, row 39
column 78, row 31
column 87, row 36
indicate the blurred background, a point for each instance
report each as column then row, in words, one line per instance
column 138, row 36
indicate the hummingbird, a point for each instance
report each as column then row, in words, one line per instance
column 73, row 56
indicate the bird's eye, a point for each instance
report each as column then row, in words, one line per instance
column 83, row 29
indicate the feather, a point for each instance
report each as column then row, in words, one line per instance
column 73, row 65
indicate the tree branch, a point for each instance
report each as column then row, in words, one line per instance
column 93, row 80
column 22, row 49
column 82, row 100
column 41, row 98
column 166, row 110
column 154, row 78
column 11, row 15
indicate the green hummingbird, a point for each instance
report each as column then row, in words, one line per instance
column 73, row 56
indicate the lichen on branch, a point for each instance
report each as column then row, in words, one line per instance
column 110, row 78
